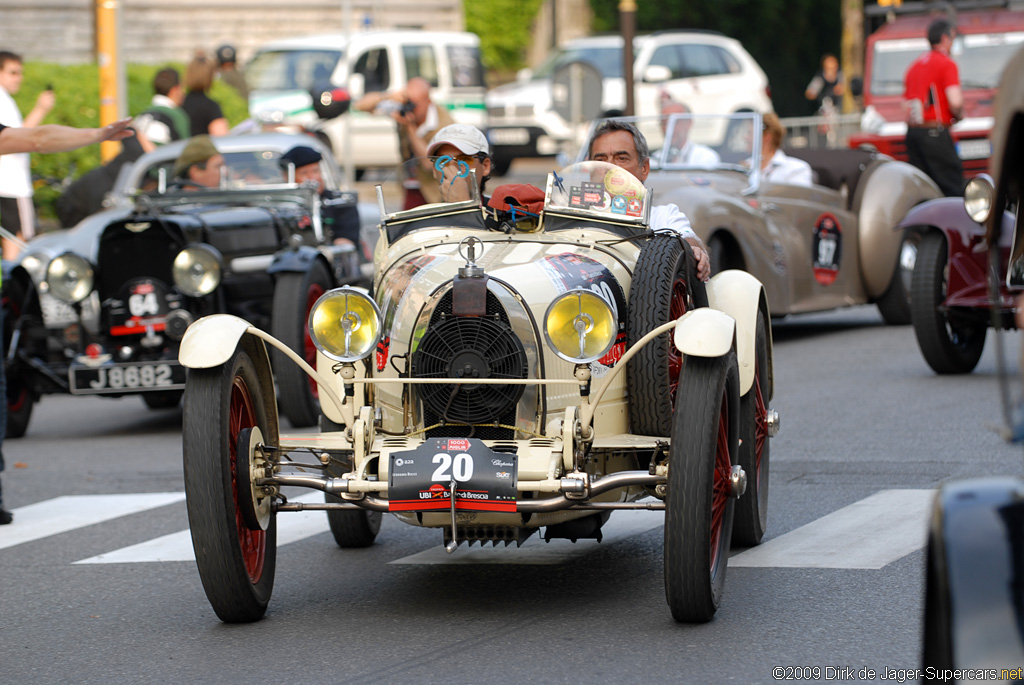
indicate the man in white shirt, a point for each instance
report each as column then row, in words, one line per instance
column 682, row 150
column 621, row 144
column 17, row 213
column 776, row 165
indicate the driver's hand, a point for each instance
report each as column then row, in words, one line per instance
column 703, row 263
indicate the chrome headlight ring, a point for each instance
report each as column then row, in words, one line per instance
column 197, row 270
column 69, row 278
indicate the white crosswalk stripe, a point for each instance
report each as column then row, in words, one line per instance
column 868, row 534
column 291, row 527
column 62, row 514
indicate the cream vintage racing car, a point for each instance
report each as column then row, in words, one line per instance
column 511, row 371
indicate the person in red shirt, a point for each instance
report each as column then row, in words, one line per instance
column 933, row 101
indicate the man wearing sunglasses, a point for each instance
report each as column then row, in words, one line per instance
column 461, row 144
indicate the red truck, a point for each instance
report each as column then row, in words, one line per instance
column 988, row 34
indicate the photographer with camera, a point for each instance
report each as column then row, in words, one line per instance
column 418, row 118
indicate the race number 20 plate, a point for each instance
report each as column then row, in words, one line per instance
column 420, row 479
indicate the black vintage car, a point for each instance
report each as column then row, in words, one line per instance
column 100, row 309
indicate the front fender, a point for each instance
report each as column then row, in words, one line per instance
column 741, row 296
column 704, row 332
column 946, row 214
column 211, row 340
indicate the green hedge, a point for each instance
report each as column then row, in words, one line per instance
column 77, row 91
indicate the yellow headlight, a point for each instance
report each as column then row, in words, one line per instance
column 345, row 324
column 70, row 278
column 196, row 270
column 580, row 326
column 978, row 197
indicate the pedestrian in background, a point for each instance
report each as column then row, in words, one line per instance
column 203, row 112
column 826, row 87
column 17, row 213
column 162, row 122
column 50, row 138
column 933, row 100
column 229, row 72
column 418, row 118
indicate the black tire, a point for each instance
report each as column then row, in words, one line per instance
column 698, row 507
column 951, row 341
column 351, row 528
column 294, row 296
column 21, row 398
column 164, row 399
column 660, row 292
column 937, row 645
column 236, row 564
column 894, row 304
column 755, row 446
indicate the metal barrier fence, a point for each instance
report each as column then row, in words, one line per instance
column 822, row 131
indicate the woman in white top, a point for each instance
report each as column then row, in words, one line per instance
column 776, row 165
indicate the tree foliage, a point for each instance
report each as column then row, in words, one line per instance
column 504, row 30
column 786, row 37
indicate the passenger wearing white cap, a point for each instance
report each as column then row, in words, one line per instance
column 464, row 143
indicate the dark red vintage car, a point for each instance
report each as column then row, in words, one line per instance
column 950, row 306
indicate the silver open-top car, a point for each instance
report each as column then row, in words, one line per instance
column 511, row 372
column 834, row 242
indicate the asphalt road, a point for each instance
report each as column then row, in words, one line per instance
column 837, row 583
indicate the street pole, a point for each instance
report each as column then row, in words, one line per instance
column 627, row 20
column 108, row 60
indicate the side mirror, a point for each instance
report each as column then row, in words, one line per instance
column 331, row 103
column 657, row 73
column 524, row 75
column 856, row 86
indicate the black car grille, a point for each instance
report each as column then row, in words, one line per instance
column 125, row 255
column 470, row 347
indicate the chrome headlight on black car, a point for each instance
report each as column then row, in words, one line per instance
column 69, row 277
column 196, row 270
column 345, row 324
column 580, row 326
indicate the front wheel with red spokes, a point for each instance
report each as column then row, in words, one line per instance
column 236, row 564
column 699, row 506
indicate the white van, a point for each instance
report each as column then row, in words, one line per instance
column 283, row 72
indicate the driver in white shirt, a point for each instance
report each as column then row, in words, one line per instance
column 621, row 144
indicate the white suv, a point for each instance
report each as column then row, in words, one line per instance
column 708, row 72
